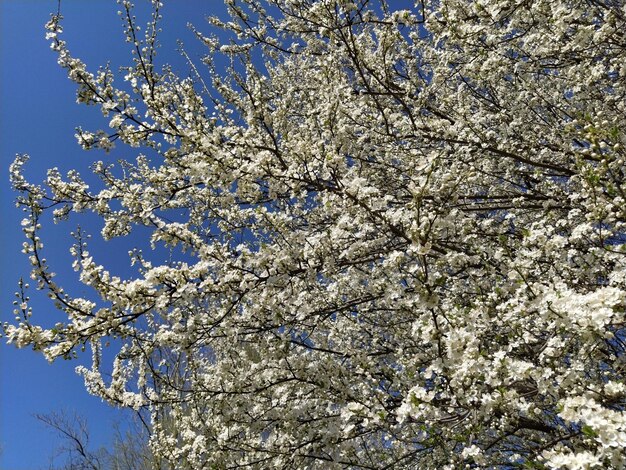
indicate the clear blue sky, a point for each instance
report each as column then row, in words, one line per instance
column 38, row 116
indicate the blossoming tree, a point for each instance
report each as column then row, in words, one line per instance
column 398, row 237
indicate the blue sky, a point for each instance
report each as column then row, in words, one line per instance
column 38, row 116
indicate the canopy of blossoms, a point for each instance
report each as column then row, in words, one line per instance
column 403, row 236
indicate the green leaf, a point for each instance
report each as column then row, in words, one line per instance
column 588, row 431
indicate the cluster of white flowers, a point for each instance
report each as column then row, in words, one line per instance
column 403, row 237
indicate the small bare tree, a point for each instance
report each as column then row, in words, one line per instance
column 129, row 450
column 73, row 431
